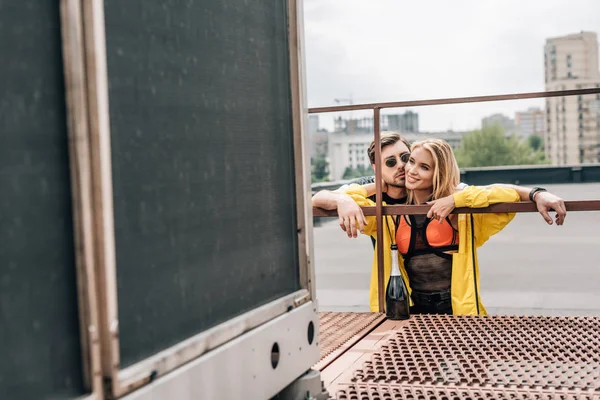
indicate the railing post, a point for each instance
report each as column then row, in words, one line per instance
column 378, row 209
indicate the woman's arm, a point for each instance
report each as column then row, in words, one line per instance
column 488, row 224
column 479, row 197
column 473, row 197
column 484, row 225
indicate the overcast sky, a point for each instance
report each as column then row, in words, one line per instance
column 389, row 50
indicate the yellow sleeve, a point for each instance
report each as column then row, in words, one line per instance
column 359, row 195
column 479, row 197
column 486, row 225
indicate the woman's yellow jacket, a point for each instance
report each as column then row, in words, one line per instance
column 473, row 229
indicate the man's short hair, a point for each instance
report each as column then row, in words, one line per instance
column 387, row 138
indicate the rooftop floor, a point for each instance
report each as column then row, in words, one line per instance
column 464, row 357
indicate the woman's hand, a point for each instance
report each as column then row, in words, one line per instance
column 441, row 208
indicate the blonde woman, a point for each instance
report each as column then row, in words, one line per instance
column 439, row 250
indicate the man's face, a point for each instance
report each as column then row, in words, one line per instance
column 393, row 158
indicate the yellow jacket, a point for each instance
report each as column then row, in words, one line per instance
column 473, row 229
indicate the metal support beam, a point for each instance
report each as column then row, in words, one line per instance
column 378, row 208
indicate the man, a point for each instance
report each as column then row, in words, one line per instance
column 395, row 152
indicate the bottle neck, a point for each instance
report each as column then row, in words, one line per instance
column 395, row 264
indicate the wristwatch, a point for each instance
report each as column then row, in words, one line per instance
column 534, row 191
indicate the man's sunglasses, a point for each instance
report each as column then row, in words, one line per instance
column 392, row 161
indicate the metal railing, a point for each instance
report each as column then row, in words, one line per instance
column 379, row 210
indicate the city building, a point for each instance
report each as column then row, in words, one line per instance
column 505, row 122
column 403, row 123
column 313, row 124
column 572, row 122
column 454, row 138
column 317, row 138
column 351, row 150
column 571, row 57
column 530, row 122
column 347, row 151
column 407, row 122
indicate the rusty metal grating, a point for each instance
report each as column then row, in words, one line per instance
column 337, row 328
column 375, row 391
column 466, row 357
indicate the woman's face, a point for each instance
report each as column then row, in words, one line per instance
column 419, row 170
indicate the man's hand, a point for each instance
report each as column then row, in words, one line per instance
column 441, row 208
column 351, row 216
column 546, row 202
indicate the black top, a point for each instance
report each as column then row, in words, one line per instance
column 429, row 269
column 365, row 180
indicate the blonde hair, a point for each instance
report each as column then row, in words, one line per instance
column 446, row 174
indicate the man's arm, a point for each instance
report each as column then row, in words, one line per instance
column 328, row 199
column 350, row 214
column 545, row 202
column 363, row 180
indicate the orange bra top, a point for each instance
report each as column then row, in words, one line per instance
column 430, row 237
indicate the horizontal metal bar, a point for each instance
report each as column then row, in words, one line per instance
column 455, row 100
column 522, row 206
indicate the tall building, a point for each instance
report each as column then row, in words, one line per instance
column 403, row 123
column 573, row 122
column 571, row 57
column 502, row 120
column 531, row 122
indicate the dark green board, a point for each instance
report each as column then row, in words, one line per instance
column 39, row 327
column 202, row 153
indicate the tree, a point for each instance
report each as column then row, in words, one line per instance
column 490, row 147
column 320, row 168
column 535, row 142
column 359, row 171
